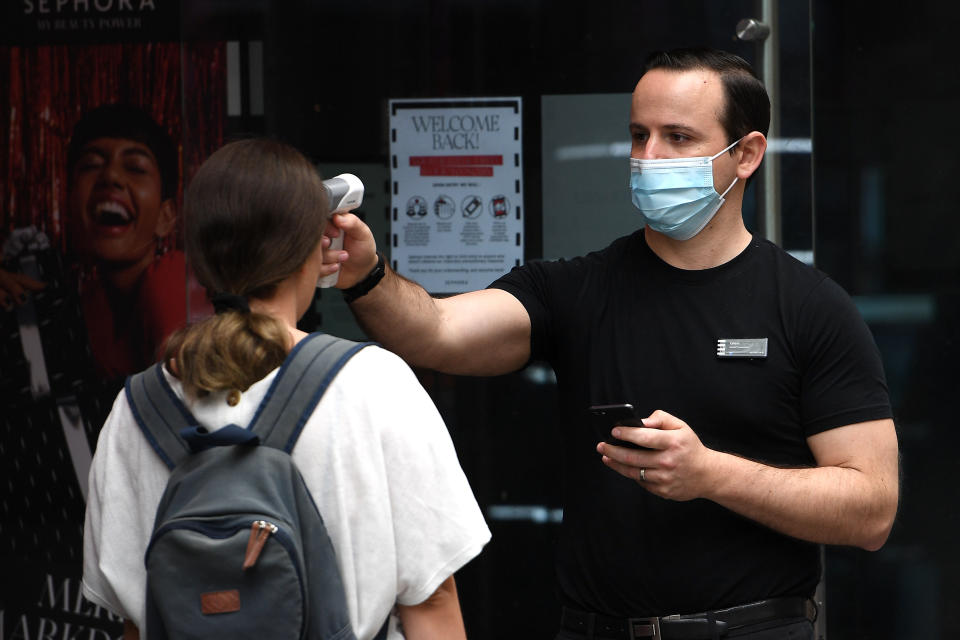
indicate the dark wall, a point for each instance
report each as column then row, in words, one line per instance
column 886, row 93
column 886, row 99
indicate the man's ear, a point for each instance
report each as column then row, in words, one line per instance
column 167, row 219
column 752, row 147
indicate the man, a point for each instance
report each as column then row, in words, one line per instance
column 769, row 428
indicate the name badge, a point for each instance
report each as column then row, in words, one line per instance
column 742, row 348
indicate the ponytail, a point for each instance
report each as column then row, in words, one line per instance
column 229, row 350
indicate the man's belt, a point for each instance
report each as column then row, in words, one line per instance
column 692, row 626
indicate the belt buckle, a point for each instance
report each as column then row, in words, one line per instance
column 643, row 628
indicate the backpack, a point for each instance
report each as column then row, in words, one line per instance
column 239, row 549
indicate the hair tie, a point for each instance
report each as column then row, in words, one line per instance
column 223, row 302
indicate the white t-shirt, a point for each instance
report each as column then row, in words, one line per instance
column 376, row 457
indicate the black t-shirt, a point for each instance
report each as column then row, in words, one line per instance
column 621, row 325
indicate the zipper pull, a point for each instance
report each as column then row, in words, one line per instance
column 260, row 530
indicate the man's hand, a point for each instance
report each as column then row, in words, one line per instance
column 674, row 464
column 850, row 497
column 14, row 288
column 358, row 256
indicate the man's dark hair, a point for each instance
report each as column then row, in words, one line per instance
column 130, row 123
column 746, row 103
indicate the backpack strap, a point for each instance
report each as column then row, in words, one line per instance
column 302, row 380
column 382, row 634
column 160, row 414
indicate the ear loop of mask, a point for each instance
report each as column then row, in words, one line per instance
column 730, row 146
column 712, row 158
column 724, row 194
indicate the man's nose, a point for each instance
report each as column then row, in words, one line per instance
column 653, row 148
column 650, row 149
column 111, row 173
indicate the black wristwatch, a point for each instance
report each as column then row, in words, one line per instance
column 363, row 287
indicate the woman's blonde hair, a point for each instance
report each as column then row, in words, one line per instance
column 253, row 214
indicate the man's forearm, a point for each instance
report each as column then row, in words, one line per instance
column 827, row 505
column 484, row 332
column 402, row 316
column 849, row 498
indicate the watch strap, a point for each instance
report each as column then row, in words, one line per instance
column 363, row 287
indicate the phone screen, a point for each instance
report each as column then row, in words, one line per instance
column 606, row 416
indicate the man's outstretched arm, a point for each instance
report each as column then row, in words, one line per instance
column 484, row 332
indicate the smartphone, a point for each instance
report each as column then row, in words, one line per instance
column 606, row 416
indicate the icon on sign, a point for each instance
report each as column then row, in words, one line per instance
column 499, row 205
column 472, row 206
column 416, row 207
column 444, row 207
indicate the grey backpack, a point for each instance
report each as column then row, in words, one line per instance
column 239, row 549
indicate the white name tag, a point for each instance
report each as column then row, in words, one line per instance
column 742, row 348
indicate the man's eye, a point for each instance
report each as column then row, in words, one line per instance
column 134, row 167
column 86, row 163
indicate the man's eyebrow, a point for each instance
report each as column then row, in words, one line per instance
column 675, row 126
column 94, row 149
column 679, row 126
column 133, row 150
column 139, row 151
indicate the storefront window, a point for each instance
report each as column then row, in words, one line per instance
column 851, row 184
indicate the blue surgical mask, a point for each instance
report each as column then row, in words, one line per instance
column 675, row 196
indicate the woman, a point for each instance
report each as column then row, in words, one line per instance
column 375, row 453
column 122, row 179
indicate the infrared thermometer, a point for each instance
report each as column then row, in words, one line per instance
column 345, row 193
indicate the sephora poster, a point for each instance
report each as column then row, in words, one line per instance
column 93, row 277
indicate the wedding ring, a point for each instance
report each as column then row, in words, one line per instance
column 643, row 474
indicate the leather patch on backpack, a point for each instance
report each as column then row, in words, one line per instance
column 219, row 602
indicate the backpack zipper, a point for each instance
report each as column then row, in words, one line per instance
column 260, row 530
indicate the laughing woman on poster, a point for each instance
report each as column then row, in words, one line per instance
column 122, row 177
